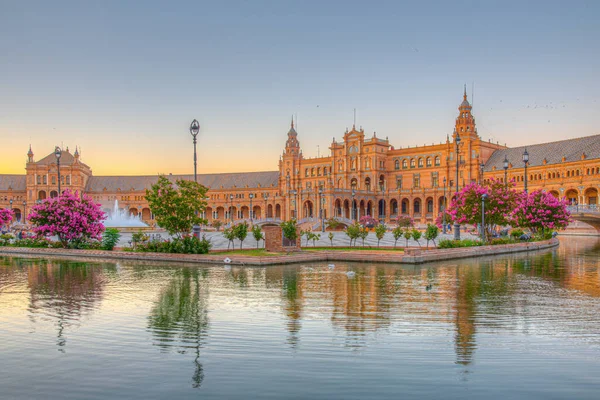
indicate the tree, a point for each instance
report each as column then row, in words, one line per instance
column 397, row 232
column 110, row 238
column 500, row 203
column 257, row 234
column 314, row 237
column 176, row 208
column 353, row 232
column 6, row 216
column 217, row 224
column 229, row 234
column 407, row 235
column 540, row 212
column 241, row 232
column 416, row 235
column 75, row 220
column 289, row 229
column 431, row 233
column 330, row 236
column 405, row 221
column 380, row 232
column 332, row 223
column 363, row 233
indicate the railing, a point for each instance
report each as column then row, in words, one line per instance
column 584, row 208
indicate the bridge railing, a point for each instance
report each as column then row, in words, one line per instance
column 593, row 208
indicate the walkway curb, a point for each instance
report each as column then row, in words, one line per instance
column 412, row 256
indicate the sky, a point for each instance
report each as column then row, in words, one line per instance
column 124, row 79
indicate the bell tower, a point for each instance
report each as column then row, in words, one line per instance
column 465, row 123
column 292, row 146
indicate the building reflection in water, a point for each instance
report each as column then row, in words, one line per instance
column 65, row 291
column 179, row 318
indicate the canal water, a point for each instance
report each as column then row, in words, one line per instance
column 521, row 327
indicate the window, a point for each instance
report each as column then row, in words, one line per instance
column 39, row 180
column 398, row 182
column 429, row 206
column 416, row 181
column 420, row 163
column 68, row 180
column 397, row 164
column 45, row 179
column 54, row 180
column 306, row 172
column 437, row 161
column 404, row 164
column 434, row 180
column 412, row 163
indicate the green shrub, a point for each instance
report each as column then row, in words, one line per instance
column 187, row 244
column 380, row 232
column 431, row 233
column 110, row 238
column 5, row 239
column 289, row 230
column 416, row 235
column 34, row 242
column 517, row 233
column 453, row 244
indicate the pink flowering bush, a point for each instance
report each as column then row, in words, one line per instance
column 368, row 221
column 500, row 203
column 73, row 220
column 541, row 212
column 6, row 216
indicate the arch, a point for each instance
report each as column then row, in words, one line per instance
column 591, row 196
column 307, row 209
column 133, row 211
column 346, row 209
column 361, row 209
column 17, row 214
column 220, row 213
column 244, row 212
column 437, row 161
column 397, row 164
column 404, row 164
column 405, row 206
column 340, row 183
column 270, row 211
column 555, row 193
column 368, row 184
column 413, row 163
column 417, row 206
column 278, row 211
column 429, row 205
column 393, row 207
column 354, row 183
column 428, row 162
column 382, row 182
column 42, row 195
column 420, row 162
column 369, row 210
column 146, row 214
column 337, row 212
column 256, row 212
column 572, row 195
column 53, row 194
column 382, row 210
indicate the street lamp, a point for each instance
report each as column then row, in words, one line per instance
column 483, row 197
column 230, row 206
column 194, row 130
column 505, row 171
column 321, row 208
column 525, row 161
column 251, row 197
column 353, row 208
column 481, row 167
column 58, row 154
column 10, row 201
column 456, row 225
column 444, row 209
column 24, row 217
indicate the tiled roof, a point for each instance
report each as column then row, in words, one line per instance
column 16, row 182
column 215, row 181
column 571, row 149
column 66, row 158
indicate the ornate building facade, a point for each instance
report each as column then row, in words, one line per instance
column 362, row 175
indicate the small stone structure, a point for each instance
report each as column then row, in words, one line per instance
column 274, row 240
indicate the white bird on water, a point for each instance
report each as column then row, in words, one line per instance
column 227, row 260
column 350, row 274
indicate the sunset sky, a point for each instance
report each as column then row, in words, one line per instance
column 124, row 81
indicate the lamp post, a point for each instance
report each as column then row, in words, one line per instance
column 525, row 161
column 483, row 197
column 293, row 193
column 10, row 202
column 444, row 209
column 24, row 217
column 481, row 167
column 251, row 212
column 505, row 171
column 456, row 225
column 230, row 206
column 58, row 154
column 321, row 208
column 194, row 130
column 353, row 208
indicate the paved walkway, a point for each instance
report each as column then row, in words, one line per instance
column 340, row 240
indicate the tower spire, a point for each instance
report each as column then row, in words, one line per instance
column 292, row 122
column 465, row 94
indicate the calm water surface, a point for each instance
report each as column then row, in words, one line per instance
column 524, row 326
